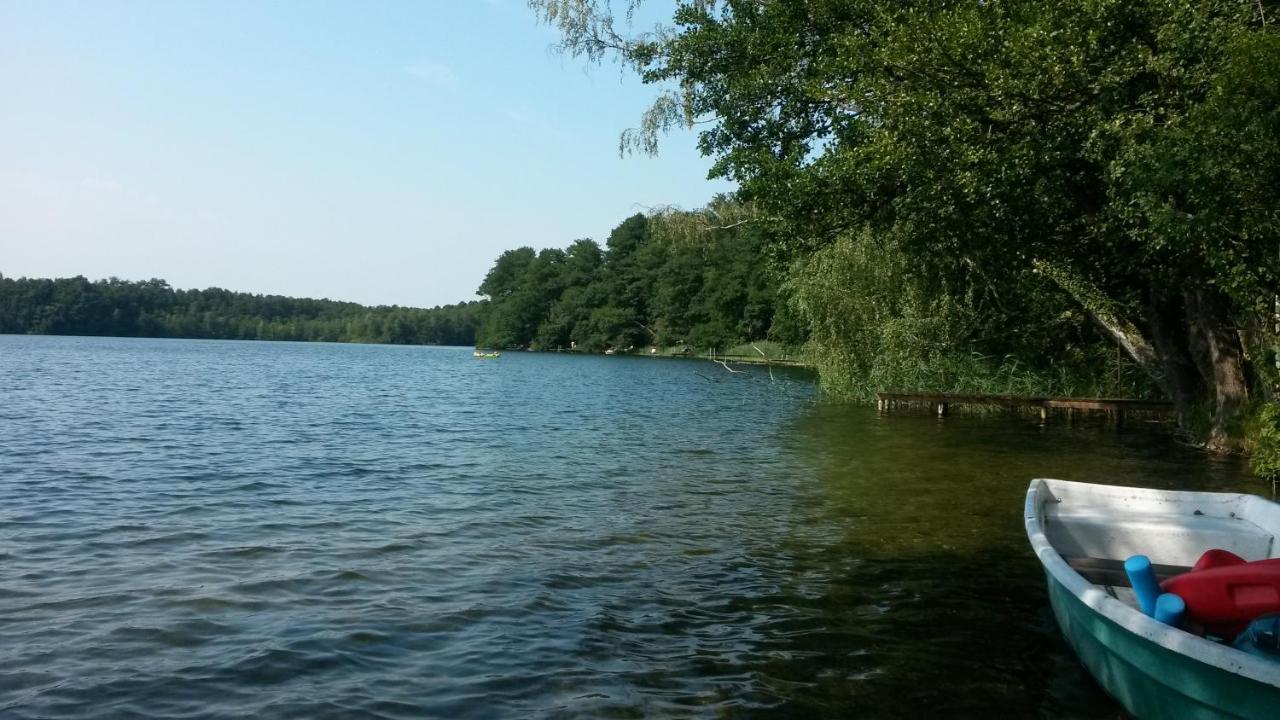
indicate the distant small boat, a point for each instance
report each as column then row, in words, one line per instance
column 1083, row 533
column 486, row 354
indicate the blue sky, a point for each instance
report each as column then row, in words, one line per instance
column 382, row 152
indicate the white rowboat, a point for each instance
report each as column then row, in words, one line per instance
column 1082, row 534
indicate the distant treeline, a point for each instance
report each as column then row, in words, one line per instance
column 672, row 278
column 151, row 308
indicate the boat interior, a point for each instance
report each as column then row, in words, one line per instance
column 1095, row 528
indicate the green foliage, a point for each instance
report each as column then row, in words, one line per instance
column 1099, row 133
column 522, row 285
column 868, row 316
column 879, row 321
column 698, row 278
column 1264, row 436
column 76, row 306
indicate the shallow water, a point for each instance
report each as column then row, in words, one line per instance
column 227, row 529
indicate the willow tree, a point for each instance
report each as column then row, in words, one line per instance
column 1129, row 150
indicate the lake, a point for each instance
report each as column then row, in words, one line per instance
column 285, row 530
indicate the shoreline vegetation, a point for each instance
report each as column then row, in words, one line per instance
column 756, row 353
column 1072, row 198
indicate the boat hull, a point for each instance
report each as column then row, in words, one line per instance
column 1150, row 680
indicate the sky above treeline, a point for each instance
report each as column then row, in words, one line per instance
column 383, row 153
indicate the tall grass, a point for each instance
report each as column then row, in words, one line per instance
column 976, row 373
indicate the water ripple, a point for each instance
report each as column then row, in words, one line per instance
column 274, row 530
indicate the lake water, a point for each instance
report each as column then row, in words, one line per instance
column 278, row 530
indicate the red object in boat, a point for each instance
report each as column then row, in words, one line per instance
column 1224, row 593
column 1217, row 558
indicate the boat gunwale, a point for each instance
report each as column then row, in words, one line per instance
column 1222, row 657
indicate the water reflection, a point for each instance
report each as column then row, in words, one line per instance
column 931, row 590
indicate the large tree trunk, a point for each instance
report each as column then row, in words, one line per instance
column 1169, row 336
column 1211, row 330
column 1207, row 343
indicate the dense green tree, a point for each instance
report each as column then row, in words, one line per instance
column 669, row 278
column 523, row 285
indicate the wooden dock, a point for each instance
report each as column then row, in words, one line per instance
column 1115, row 408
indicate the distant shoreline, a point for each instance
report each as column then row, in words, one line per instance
column 662, row 354
column 229, row 339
